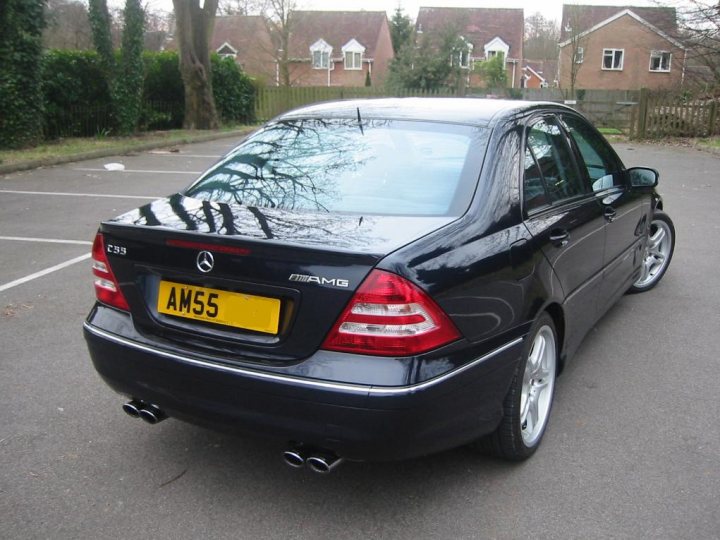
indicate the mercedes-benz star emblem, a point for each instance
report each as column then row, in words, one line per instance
column 205, row 261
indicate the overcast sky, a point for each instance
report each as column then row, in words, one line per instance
column 549, row 8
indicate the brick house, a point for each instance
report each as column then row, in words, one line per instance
column 620, row 48
column 486, row 31
column 246, row 39
column 339, row 48
column 539, row 74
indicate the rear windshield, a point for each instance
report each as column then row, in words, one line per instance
column 384, row 167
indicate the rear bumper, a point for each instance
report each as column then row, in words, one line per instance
column 357, row 421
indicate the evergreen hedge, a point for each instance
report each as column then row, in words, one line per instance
column 77, row 101
column 21, row 24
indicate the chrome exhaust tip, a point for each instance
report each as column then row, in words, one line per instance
column 323, row 463
column 295, row 457
column 152, row 414
column 132, row 408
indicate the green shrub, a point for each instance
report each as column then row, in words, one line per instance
column 21, row 24
column 233, row 91
column 163, row 92
column 130, row 76
column 75, row 94
column 77, row 101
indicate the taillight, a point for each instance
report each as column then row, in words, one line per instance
column 106, row 286
column 389, row 316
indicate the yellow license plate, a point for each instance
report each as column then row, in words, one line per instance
column 220, row 307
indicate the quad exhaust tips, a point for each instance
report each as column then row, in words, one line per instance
column 152, row 414
column 321, row 462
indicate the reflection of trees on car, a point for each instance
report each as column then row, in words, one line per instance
column 288, row 165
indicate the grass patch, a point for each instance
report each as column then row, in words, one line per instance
column 610, row 131
column 710, row 142
column 76, row 146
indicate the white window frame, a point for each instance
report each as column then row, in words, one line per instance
column 356, row 59
column 580, row 55
column 660, row 55
column 354, row 52
column 226, row 45
column 496, row 46
column 320, row 54
column 320, row 60
column 607, row 52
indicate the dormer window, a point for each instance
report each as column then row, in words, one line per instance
column 320, row 53
column 353, row 53
column 226, row 51
column 495, row 47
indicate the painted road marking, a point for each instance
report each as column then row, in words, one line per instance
column 48, row 240
column 45, row 272
column 142, row 171
column 63, row 194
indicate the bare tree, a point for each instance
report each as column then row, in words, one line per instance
column 700, row 31
column 279, row 25
column 240, row 7
column 67, row 25
column 194, row 28
column 575, row 29
column 541, row 38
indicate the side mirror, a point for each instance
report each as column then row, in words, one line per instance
column 643, row 177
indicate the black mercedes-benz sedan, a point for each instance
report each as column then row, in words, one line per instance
column 377, row 279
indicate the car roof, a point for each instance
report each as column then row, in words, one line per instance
column 469, row 111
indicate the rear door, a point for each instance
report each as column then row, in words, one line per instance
column 624, row 210
column 566, row 219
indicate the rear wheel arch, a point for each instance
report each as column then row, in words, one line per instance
column 557, row 314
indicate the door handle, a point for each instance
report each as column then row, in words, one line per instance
column 559, row 237
column 609, row 213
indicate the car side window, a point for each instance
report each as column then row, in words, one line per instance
column 550, row 172
column 601, row 165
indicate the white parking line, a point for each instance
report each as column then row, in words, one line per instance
column 145, row 197
column 143, row 171
column 45, row 272
column 48, row 240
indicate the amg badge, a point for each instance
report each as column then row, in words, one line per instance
column 334, row 282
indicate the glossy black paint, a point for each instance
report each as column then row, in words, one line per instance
column 492, row 269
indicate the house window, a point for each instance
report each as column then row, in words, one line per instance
column 320, row 60
column 353, row 60
column 579, row 55
column 320, row 53
column 613, row 59
column 660, row 60
column 493, row 54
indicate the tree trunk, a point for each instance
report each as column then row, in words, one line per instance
column 194, row 28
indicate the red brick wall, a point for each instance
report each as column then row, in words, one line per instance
column 638, row 41
column 303, row 74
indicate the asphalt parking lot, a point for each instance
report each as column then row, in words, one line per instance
column 632, row 449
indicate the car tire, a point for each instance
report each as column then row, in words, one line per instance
column 658, row 253
column 532, row 389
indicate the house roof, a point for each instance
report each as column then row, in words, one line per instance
column 663, row 18
column 618, row 15
column 242, row 32
column 337, row 28
column 547, row 69
column 477, row 25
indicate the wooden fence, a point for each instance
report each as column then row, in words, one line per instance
column 604, row 108
column 675, row 114
column 273, row 100
column 641, row 114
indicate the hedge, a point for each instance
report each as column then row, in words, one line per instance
column 77, row 102
column 21, row 23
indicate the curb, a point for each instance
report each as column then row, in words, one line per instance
column 120, row 150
